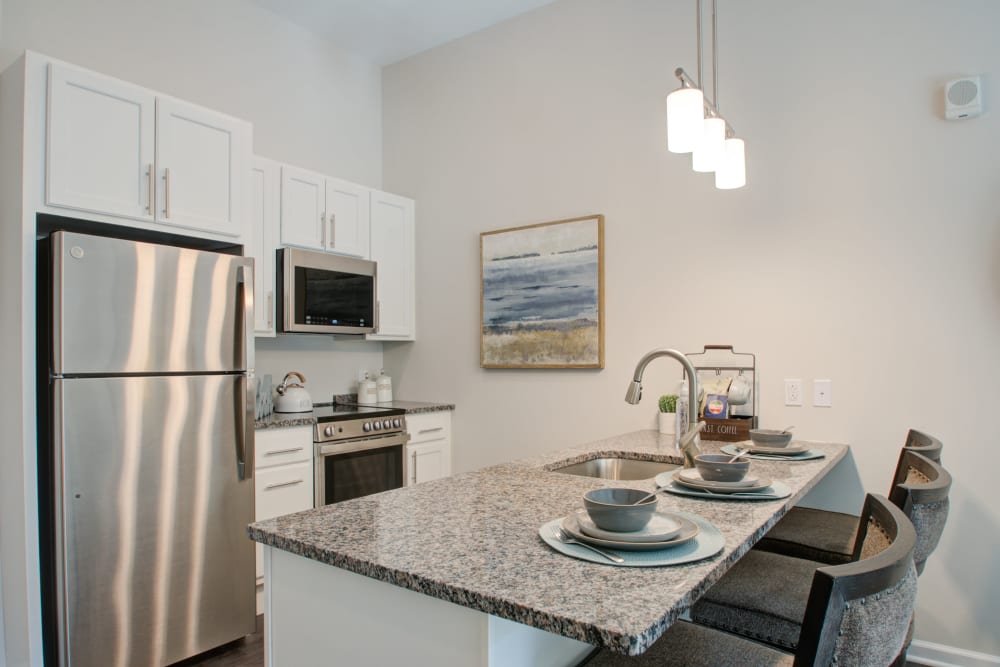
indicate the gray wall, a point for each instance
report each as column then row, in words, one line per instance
column 864, row 248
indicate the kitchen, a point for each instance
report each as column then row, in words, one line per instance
column 841, row 263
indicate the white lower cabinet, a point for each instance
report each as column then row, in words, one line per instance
column 283, row 466
column 429, row 449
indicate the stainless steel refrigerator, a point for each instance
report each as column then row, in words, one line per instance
column 149, row 450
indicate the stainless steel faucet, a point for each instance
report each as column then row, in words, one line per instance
column 689, row 442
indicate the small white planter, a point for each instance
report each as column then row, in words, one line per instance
column 668, row 421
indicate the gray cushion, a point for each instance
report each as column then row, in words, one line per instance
column 688, row 645
column 873, row 629
column 763, row 597
column 827, row 537
column 928, row 520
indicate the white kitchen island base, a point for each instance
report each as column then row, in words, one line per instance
column 321, row 615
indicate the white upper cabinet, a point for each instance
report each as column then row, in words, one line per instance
column 323, row 213
column 100, row 144
column 262, row 239
column 120, row 150
column 347, row 207
column 303, row 208
column 201, row 159
column 393, row 248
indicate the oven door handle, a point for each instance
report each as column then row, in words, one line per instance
column 348, row 446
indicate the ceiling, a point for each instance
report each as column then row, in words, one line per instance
column 387, row 31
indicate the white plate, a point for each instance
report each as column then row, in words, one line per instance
column 689, row 531
column 661, row 527
column 692, row 475
column 721, row 487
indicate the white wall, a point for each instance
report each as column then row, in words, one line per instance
column 311, row 105
column 864, row 248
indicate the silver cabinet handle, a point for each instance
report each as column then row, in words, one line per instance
column 166, row 193
column 430, row 430
column 322, row 229
column 378, row 316
column 278, row 485
column 284, row 451
column 270, row 310
column 333, row 230
column 414, row 467
column 149, row 183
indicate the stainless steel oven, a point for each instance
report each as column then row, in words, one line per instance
column 359, row 451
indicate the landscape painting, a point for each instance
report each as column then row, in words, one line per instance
column 543, row 295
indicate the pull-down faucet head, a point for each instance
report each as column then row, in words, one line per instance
column 634, row 394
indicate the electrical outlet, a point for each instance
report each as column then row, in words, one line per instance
column 793, row 392
column 823, row 393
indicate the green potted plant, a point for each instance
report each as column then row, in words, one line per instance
column 668, row 416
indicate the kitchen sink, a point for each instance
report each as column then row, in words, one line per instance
column 617, row 468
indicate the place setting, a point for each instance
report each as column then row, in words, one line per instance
column 722, row 477
column 773, row 445
column 625, row 527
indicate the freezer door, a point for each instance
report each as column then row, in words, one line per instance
column 151, row 517
column 128, row 307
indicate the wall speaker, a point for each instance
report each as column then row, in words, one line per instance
column 963, row 98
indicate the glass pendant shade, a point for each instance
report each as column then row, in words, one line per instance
column 708, row 151
column 732, row 172
column 685, row 116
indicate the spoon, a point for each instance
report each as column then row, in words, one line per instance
column 787, row 429
column 739, row 454
column 647, row 497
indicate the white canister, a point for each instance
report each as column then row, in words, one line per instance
column 383, row 388
column 367, row 392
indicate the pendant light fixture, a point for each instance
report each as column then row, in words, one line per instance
column 695, row 125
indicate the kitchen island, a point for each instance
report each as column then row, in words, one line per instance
column 453, row 572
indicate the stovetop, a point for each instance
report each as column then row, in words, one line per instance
column 341, row 412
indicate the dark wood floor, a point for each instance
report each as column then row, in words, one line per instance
column 246, row 652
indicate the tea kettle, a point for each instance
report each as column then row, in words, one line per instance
column 292, row 396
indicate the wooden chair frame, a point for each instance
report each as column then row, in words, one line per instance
column 833, row 587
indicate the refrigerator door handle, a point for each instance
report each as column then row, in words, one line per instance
column 245, row 403
column 244, row 316
column 246, row 397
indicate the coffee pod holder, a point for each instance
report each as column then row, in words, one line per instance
column 723, row 360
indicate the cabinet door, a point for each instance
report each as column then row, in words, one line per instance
column 261, row 242
column 428, row 461
column 347, row 209
column 203, row 162
column 100, row 142
column 303, row 208
column 282, row 490
column 392, row 247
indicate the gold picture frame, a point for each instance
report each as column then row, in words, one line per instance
column 541, row 296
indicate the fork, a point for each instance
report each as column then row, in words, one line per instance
column 564, row 537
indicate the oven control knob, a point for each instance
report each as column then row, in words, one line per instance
column 397, row 423
column 377, row 425
column 387, row 423
column 328, row 431
column 366, row 427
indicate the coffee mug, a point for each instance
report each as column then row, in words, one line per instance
column 739, row 390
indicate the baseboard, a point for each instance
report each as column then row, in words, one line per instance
column 939, row 655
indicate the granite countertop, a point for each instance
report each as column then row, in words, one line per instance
column 286, row 419
column 472, row 539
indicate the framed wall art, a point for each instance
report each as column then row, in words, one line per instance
column 542, row 295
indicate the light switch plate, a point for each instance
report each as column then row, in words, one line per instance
column 823, row 393
column 793, row 392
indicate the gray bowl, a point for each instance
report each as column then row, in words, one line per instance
column 769, row 437
column 717, row 468
column 612, row 509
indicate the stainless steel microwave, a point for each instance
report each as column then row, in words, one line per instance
column 323, row 293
